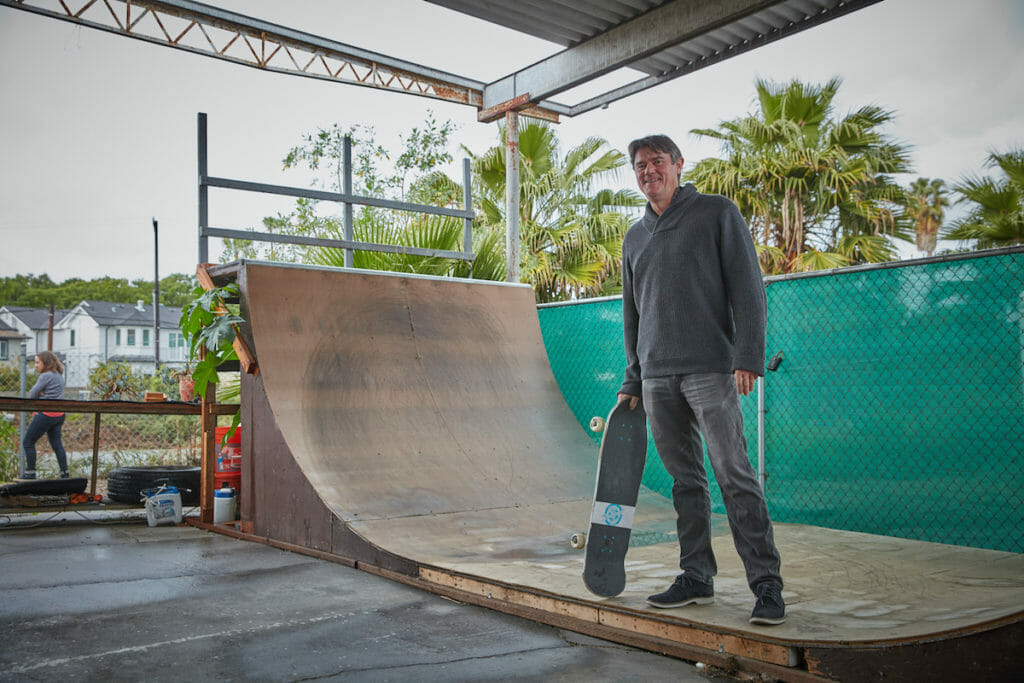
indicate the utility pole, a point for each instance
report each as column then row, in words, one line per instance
column 156, row 296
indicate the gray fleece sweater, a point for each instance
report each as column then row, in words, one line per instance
column 692, row 295
column 49, row 385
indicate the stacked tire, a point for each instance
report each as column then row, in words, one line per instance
column 126, row 484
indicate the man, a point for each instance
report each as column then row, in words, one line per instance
column 694, row 317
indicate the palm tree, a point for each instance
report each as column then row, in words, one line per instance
column 817, row 191
column 570, row 230
column 926, row 201
column 996, row 215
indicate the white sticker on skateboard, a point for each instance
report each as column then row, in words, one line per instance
column 613, row 514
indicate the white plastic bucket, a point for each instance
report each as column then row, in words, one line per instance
column 223, row 505
column 163, row 505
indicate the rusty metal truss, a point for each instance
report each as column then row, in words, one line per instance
column 213, row 32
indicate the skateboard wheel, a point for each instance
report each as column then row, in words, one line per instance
column 597, row 424
column 578, row 540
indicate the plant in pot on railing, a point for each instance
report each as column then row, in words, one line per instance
column 209, row 328
column 186, row 385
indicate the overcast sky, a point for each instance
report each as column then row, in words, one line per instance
column 97, row 131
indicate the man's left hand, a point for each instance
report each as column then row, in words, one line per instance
column 744, row 381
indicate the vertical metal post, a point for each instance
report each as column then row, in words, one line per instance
column 347, row 148
column 22, row 389
column 156, row 296
column 204, row 198
column 467, row 204
column 760, row 430
column 512, row 196
column 95, row 453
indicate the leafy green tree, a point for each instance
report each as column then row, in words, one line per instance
column 176, row 289
column 41, row 291
column 22, row 290
column 570, row 228
column 996, row 205
column 926, row 201
column 379, row 173
column 816, row 190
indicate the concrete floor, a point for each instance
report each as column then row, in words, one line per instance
column 115, row 601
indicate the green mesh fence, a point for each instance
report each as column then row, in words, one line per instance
column 898, row 408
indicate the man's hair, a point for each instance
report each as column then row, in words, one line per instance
column 655, row 143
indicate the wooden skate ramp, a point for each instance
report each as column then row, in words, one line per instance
column 406, row 396
column 412, row 426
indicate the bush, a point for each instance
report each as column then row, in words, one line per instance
column 10, row 378
column 116, row 381
column 10, row 466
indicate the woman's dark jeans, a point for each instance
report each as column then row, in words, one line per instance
column 51, row 426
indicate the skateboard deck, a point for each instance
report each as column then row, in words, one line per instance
column 619, row 471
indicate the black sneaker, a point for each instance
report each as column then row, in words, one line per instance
column 28, row 476
column 770, row 608
column 685, row 591
column 65, row 475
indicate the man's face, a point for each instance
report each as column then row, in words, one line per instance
column 656, row 174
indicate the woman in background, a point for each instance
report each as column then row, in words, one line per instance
column 49, row 385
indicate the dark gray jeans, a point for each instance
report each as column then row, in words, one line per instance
column 681, row 408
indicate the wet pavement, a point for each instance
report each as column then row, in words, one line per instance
column 102, row 600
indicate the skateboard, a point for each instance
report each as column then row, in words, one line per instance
column 620, row 469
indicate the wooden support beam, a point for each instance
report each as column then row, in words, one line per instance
column 245, row 355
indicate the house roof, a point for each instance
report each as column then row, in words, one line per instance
column 111, row 314
column 8, row 332
column 36, row 318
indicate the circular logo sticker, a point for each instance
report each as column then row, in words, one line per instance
column 613, row 514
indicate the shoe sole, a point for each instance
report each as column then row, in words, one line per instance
column 684, row 603
column 766, row 621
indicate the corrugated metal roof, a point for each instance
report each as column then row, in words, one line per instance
column 571, row 23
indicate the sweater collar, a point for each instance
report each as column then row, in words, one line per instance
column 680, row 197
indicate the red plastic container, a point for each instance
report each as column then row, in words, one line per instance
column 228, row 468
column 229, row 456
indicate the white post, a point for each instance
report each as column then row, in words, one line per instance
column 512, row 196
column 760, row 430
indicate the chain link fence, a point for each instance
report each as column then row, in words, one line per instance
column 897, row 409
column 124, row 440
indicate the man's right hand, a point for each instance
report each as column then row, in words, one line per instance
column 634, row 401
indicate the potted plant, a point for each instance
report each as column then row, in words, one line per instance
column 186, row 385
column 209, row 328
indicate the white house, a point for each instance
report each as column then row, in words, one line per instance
column 34, row 325
column 98, row 331
column 10, row 344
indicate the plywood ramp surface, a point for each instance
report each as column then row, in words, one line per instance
column 424, row 413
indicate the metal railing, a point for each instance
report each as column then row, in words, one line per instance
column 346, row 198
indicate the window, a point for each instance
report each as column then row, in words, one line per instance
column 117, row 337
column 3, row 349
column 175, row 340
column 145, row 337
column 131, row 337
column 72, row 339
